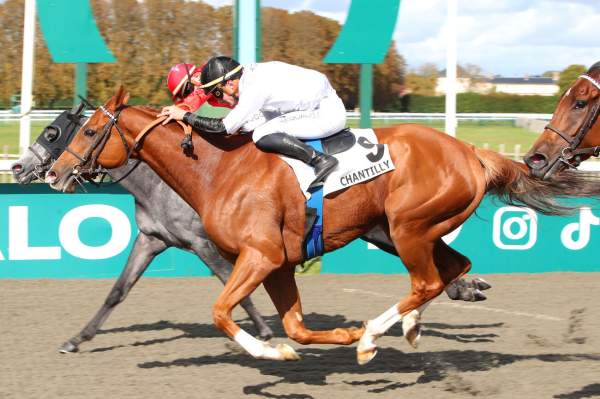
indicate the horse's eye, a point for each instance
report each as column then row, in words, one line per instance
column 580, row 104
column 89, row 132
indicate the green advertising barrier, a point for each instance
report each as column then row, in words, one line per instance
column 500, row 239
column 44, row 234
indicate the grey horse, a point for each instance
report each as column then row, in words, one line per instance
column 165, row 220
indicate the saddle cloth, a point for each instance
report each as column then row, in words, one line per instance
column 363, row 161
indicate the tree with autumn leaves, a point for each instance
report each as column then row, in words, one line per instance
column 148, row 37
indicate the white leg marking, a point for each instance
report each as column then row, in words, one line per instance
column 262, row 350
column 385, row 321
column 375, row 328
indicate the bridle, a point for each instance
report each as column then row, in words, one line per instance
column 570, row 155
column 88, row 160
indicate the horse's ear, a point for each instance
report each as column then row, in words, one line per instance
column 121, row 97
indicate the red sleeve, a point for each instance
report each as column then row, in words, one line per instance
column 194, row 101
column 216, row 103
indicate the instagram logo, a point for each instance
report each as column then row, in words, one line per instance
column 514, row 228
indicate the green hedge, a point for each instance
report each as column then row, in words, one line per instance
column 472, row 102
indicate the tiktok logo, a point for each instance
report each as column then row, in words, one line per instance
column 581, row 228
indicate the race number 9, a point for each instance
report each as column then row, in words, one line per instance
column 373, row 157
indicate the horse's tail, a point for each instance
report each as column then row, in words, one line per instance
column 511, row 182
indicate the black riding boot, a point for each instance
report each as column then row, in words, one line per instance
column 283, row 143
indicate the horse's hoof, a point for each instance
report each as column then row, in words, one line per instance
column 411, row 328
column 478, row 296
column 365, row 356
column 481, row 284
column 287, row 352
column 68, row 347
column 413, row 335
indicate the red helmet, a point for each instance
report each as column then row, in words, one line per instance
column 177, row 78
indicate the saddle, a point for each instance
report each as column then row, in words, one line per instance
column 338, row 142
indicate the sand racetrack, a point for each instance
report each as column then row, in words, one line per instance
column 537, row 336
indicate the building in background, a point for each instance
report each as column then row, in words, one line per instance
column 526, row 86
column 523, row 86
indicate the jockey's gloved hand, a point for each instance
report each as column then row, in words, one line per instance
column 205, row 125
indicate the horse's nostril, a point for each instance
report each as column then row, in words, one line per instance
column 51, row 176
column 536, row 158
column 17, row 168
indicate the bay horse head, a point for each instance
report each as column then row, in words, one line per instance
column 93, row 144
column 573, row 134
column 49, row 145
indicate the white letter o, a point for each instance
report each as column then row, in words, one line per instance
column 69, row 235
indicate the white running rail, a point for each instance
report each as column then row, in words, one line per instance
column 51, row 114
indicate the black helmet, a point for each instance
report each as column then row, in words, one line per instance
column 219, row 70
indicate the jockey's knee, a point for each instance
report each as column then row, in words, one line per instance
column 261, row 132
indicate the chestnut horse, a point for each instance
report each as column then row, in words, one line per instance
column 573, row 134
column 253, row 210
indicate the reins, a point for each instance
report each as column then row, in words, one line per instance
column 91, row 155
column 187, row 130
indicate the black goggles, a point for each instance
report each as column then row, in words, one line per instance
column 216, row 91
column 187, row 89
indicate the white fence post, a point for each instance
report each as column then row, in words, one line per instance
column 517, row 156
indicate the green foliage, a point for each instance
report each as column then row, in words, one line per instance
column 423, row 81
column 310, row 267
column 568, row 75
column 482, row 103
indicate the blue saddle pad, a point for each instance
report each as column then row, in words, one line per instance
column 313, row 235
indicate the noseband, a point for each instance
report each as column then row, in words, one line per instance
column 570, row 152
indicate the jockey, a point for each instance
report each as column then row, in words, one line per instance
column 297, row 103
column 183, row 82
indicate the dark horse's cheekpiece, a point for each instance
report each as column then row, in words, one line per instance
column 573, row 134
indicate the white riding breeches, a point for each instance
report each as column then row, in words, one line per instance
column 327, row 119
